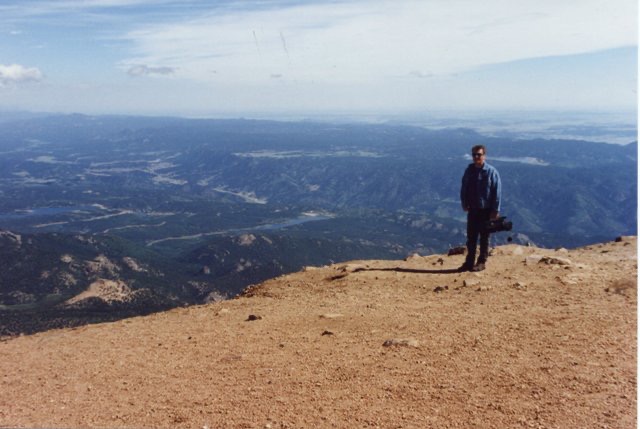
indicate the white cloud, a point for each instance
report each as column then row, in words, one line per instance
column 365, row 42
column 16, row 74
column 143, row 70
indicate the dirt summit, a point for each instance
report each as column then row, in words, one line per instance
column 542, row 338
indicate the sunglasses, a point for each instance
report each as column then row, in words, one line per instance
column 477, row 154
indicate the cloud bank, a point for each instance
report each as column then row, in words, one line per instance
column 354, row 41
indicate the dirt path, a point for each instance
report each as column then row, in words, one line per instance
column 528, row 343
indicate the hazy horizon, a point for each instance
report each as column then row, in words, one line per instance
column 615, row 127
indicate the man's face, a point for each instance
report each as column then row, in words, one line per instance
column 478, row 157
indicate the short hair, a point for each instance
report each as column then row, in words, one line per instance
column 478, row 147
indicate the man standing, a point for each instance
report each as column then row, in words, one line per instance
column 480, row 197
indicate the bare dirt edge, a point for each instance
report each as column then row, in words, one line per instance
column 542, row 338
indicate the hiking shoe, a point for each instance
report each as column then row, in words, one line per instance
column 465, row 267
column 478, row 267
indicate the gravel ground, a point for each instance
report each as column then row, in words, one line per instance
column 541, row 339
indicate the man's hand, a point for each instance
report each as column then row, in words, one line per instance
column 495, row 215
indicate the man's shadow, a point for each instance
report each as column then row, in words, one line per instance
column 398, row 270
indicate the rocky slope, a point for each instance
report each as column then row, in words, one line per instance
column 541, row 339
column 50, row 281
column 54, row 280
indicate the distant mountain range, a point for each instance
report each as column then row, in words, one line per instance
column 210, row 206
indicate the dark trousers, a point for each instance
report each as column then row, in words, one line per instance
column 476, row 221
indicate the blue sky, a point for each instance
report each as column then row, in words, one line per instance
column 206, row 58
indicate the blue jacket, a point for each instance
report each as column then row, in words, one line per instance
column 481, row 188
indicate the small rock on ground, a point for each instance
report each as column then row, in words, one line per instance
column 408, row 342
column 470, row 283
column 330, row 316
column 551, row 260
